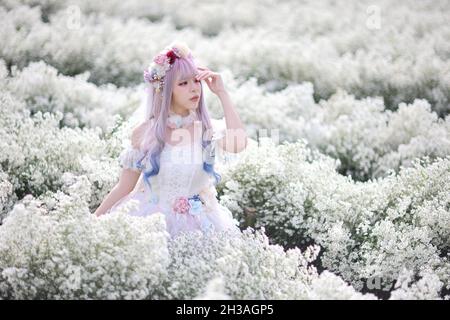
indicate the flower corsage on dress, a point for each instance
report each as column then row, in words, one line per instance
column 194, row 207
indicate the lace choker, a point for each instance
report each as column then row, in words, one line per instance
column 175, row 121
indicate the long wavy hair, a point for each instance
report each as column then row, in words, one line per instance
column 158, row 110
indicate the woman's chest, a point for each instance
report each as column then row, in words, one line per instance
column 182, row 169
column 182, row 156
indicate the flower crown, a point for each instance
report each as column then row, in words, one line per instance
column 162, row 63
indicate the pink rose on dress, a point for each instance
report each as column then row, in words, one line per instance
column 181, row 205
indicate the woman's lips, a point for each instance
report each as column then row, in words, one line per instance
column 195, row 99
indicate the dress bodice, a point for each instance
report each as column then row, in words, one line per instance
column 181, row 172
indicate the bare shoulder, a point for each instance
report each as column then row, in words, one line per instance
column 138, row 132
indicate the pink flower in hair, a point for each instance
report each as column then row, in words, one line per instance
column 162, row 63
column 160, row 59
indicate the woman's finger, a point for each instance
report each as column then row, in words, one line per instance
column 198, row 75
column 204, row 74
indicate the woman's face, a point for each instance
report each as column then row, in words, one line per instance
column 183, row 91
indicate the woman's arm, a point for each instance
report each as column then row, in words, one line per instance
column 235, row 139
column 128, row 177
column 127, row 182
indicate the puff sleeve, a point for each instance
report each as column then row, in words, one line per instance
column 130, row 157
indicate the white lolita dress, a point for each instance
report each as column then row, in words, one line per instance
column 182, row 190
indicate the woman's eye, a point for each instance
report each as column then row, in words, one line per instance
column 182, row 83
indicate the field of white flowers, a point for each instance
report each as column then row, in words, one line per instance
column 351, row 202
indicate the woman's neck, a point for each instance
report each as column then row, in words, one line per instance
column 180, row 111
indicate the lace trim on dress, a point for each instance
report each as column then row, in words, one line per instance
column 176, row 181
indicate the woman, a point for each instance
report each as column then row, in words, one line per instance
column 169, row 165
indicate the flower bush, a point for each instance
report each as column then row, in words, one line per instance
column 54, row 248
column 81, row 103
column 367, row 230
column 244, row 267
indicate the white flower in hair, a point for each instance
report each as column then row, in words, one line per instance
column 180, row 49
